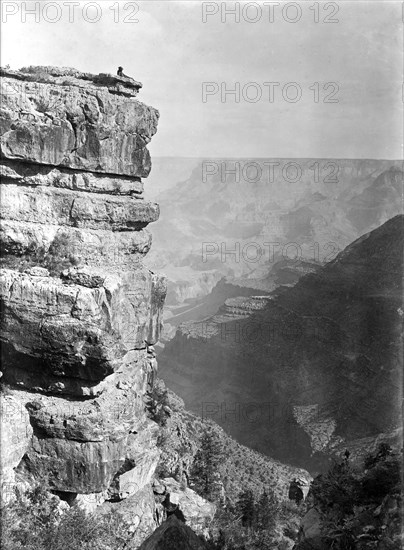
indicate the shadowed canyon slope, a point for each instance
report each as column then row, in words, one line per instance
column 299, row 373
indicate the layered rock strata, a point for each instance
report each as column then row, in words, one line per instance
column 80, row 311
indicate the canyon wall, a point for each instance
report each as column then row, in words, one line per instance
column 307, row 371
column 80, row 311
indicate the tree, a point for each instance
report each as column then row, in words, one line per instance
column 267, row 510
column 338, row 488
column 158, row 405
column 382, row 452
column 247, row 508
column 348, row 498
column 205, row 477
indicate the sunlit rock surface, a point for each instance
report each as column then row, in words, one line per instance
column 74, row 121
column 80, row 311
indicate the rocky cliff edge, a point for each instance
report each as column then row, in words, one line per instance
column 80, row 312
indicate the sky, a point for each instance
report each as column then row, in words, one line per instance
column 337, row 86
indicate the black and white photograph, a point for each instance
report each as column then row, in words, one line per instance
column 201, row 275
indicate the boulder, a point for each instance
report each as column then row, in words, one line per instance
column 173, row 535
column 310, row 529
column 158, row 488
column 84, row 276
column 37, row 271
column 198, row 512
column 138, row 513
column 15, row 438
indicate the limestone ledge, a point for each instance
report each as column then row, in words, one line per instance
column 85, row 210
column 64, row 75
column 26, row 244
column 41, row 382
column 102, row 444
column 118, row 466
column 54, row 121
column 36, row 175
column 77, row 467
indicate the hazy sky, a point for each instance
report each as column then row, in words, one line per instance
column 173, row 52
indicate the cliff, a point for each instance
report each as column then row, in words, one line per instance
column 83, row 426
column 307, row 372
column 80, row 311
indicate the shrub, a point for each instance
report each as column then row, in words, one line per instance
column 35, row 522
column 348, row 498
column 158, row 405
column 338, row 488
column 381, row 479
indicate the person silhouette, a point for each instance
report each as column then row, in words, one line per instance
column 120, row 71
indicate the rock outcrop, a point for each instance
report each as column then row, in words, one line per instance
column 80, row 311
column 173, row 534
column 72, row 120
column 195, row 511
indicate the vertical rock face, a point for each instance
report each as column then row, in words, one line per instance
column 80, row 312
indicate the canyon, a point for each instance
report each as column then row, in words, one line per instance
column 236, row 218
column 82, row 313
column 309, row 370
column 287, row 360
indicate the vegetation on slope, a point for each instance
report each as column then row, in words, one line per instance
column 359, row 508
column 36, row 521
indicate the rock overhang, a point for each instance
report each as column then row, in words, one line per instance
column 76, row 120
